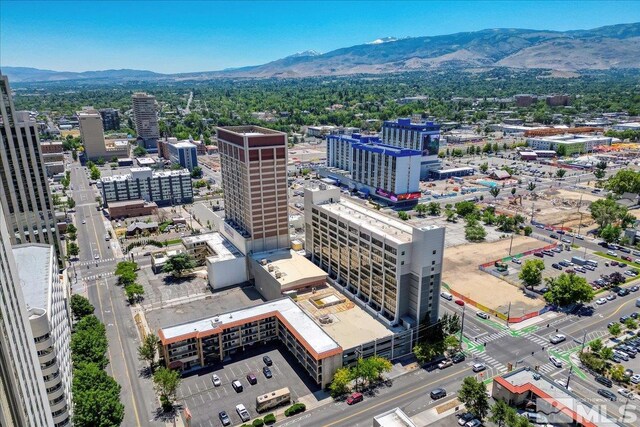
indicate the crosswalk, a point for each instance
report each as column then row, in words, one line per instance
column 99, row 276
column 494, row 336
column 544, row 342
column 97, row 261
column 547, row 368
column 487, row 360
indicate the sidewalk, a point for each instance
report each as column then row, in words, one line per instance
column 543, row 318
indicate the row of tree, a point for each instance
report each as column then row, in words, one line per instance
column 365, row 372
column 126, row 272
column 96, row 395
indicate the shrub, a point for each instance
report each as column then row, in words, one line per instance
column 269, row 419
column 295, row 409
column 258, row 422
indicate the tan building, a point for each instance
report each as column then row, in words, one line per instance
column 254, row 177
column 207, row 341
column 132, row 208
column 53, row 156
column 92, row 134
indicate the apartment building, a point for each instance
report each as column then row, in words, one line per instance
column 391, row 268
column 145, row 117
column 374, row 168
column 53, row 156
column 254, row 178
column 110, row 119
column 162, row 187
column 24, row 190
column 570, row 143
column 48, row 309
column 203, row 342
column 23, row 400
column 183, row 153
column 92, row 134
column 421, row 136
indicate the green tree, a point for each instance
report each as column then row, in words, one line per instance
column 527, row 230
column 599, row 174
column 615, row 329
column 73, row 250
column 631, row 323
column 494, row 191
column 465, row 208
column 71, row 229
column 433, row 208
column 95, row 173
column 89, row 342
column 421, row 209
column 177, row 264
column 139, row 151
column 80, row 306
column 148, row 349
column 593, row 362
column 561, row 150
column 134, row 292
column 624, row 181
column 606, row 353
column 166, row 383
column 484, row 167
column 71, row 203
column 403, row 215
column 531, row 187
column 124, row 266
column 474, row 231
column 531, row 272
column 617, row 374
column 596, row 345
column 568, row 289
column 606, row 211
column 451, row 342
column 96, row 398
column 340, row 383
column 473, row 394
column 560, row 173
column 127, row 278
column 501, row 413
column 610, row 233
column 196, row 172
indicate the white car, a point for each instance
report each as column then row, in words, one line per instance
column 84, row 221
column 478, row 367
column 96, row 256
column 579, row 236
column 557, row 363
column 516, row 260
column 563, row 384
column 612, row 253
column 216, row 380
column 601, row 301
column 558, row 338
column 626, row 393
column 635, row 379
column 242, row 411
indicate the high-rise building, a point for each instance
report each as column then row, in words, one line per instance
column 23, row 399
column 254, row 178
column 110, row 119
column 47, row 306
column 24, row 192
column 92, row 134
column 422, row 136
column 145, row 115
column 390, row 267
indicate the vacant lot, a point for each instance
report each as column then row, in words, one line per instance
column 462, row 274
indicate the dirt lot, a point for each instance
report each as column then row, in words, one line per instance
column 465, row 277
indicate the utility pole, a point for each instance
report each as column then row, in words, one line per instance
column 508, row 313
column 511, row 244
column 462, row 326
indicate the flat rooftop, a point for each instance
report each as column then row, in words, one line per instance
column 293, row 268
column 34, row 270
column 223, row 248
column 306, row 330
column 526, row 379
column 250, row 130
column 394, row 418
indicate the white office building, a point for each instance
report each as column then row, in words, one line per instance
column 391, row 268
column 23, row 400
column 48, row 309
column 184, row 154
column 162, row 187
column 571, row 143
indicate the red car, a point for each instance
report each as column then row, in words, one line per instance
column 459, row 302
column 354, row 398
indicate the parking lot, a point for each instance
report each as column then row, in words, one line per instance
column 565, row 255
column 205, row 401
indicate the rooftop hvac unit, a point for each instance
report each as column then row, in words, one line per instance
column 278, row 275
column 270, row 267
column 323, row 186
column 263, row 261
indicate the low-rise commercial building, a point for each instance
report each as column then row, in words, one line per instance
column 392, row 268
column 569, row 143
column 132, row 208
column 48, row 308
column 201, row 343
column 162, row 187
column 627, row 126
column 554, row 404
column 450, row 173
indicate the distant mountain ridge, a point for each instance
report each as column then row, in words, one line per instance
column 604, row 48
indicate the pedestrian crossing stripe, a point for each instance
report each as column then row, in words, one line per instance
column 96, row 261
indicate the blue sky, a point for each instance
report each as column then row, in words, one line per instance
column 170, row 37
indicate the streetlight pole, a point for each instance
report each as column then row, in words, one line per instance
column 462, row 326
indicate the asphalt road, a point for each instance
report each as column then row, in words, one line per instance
column 94, row 277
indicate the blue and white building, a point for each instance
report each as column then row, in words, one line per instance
column 183, row 153
column 423, row 136
column 367, row 165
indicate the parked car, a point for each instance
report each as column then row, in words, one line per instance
column 459, row 302
column 224, row 418
column 516, row 260
column 354, row 398
column 438, row 393
column 626, row 393
column 553, row 236
column 556, row 266
column 267, row 360
column 242, row 411
column 612, row 253
column 445, row 364
column 473, row 423
column 267, row 372
column 253, row 380
column 457, row 358
column 237, row 386
column 216, row 380
column 465, row 418
column 604, row 381
column 611, row 297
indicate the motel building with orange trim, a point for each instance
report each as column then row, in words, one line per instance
column 194, row 345
column 558, row 405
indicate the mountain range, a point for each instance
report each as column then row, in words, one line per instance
column 604, row 48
